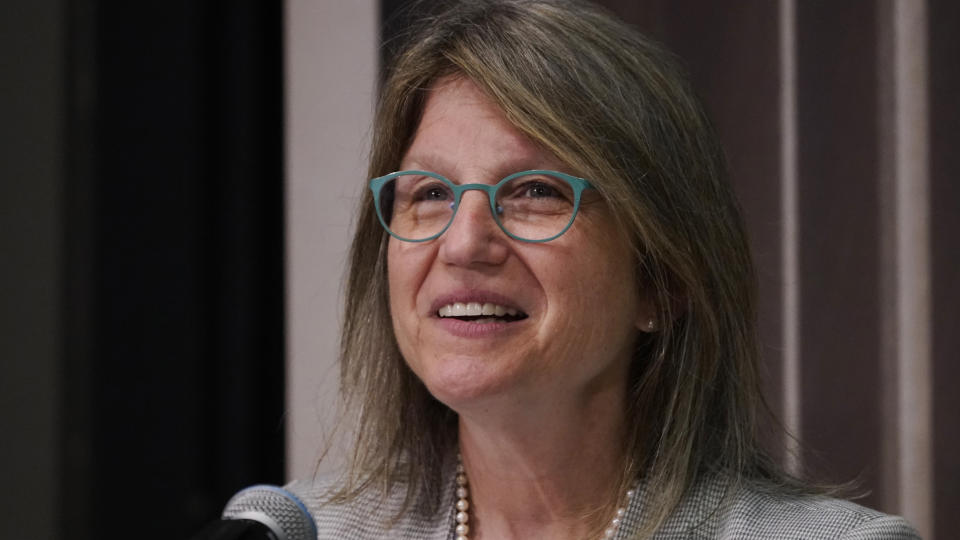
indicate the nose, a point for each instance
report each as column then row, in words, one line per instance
column 473, row 238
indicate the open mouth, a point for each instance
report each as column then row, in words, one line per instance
column 480, row 313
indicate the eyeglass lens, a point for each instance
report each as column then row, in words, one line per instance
column 531, row 207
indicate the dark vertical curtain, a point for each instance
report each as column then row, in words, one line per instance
column 174, row 356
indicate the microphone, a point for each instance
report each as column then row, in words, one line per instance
column 262, row 513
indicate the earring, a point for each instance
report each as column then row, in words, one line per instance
column 651, row 324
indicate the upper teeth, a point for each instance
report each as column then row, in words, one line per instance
column 471, row 309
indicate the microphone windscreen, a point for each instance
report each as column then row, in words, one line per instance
column 278, row 509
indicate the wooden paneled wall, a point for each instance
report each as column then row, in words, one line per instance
column 841, row 123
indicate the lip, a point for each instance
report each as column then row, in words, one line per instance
column 474, row 295
column 469, row 329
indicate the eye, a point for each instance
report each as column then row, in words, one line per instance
column 432, row 192
column 540, row 189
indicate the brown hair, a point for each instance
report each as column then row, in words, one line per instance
column 617, row 109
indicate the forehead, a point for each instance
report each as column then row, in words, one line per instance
column 462, row 127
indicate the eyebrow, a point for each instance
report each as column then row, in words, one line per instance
column 440, row 164
column 432, row 161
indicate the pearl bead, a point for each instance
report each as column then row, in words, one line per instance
column 463, row 505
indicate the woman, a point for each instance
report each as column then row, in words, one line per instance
column 549, row 328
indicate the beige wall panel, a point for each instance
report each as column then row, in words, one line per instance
column 331, row 66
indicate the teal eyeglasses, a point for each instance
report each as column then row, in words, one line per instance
column 530, row 206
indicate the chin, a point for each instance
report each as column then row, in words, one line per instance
column 461, row 381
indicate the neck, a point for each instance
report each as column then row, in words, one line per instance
column 548, row 469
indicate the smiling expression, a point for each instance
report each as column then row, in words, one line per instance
column 478, row 315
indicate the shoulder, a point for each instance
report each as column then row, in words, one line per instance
column 770, row 515
column 372, row 514
column 756, row 513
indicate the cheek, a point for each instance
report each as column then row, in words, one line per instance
column 603, row 297
column 615, row 301
column 407, row 267
column 400, row 283
column 590, row 293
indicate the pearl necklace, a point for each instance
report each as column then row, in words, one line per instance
column 462, row 506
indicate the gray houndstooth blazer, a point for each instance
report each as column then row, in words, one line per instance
column 705, row 513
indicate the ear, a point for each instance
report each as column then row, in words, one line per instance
column 647, row 314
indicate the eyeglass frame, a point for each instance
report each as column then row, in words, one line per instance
column 578, row 184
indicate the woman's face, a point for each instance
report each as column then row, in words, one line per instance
column 576, row 298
